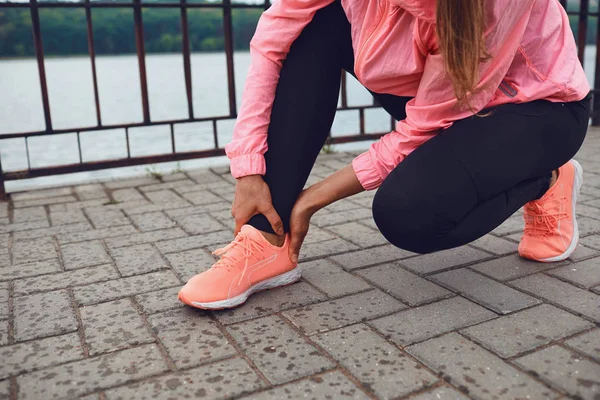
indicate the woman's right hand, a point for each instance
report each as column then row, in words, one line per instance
column 252, row 197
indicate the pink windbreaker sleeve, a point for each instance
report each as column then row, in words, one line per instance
column 277, row 29
column 435, row 106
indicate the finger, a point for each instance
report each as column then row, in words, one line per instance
column 241, row 218
column 273, row 218
column 295, row 244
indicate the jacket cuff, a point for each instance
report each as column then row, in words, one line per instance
column 248, row 164
column 365, row 171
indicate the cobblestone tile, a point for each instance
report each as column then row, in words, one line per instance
column 139, row 259
column 271, row 301
column 202, row 197
column 44, row 314
column 495, row 245
column 277, row 350
column 323, row 249
column 342, row 205
column 40, row 194
column 194, row 242
column 31, row 269
column 127, row 194
column 223, row 380
column 590, row 241
column 315, row 234
column 4, row 209
column 583, row 253
column 44, row 201
column 512, row 267
column 332, row 279
column 359, row 234
column 485, row 376
column 189, row 263
column 63, row 280
column 330, row 385
column 323, row 219
column 365, row 258
column 81, row 377
column 190, row 337
column 585, row 274
column 145, row 237
column 568, row 296
column 60, row 218
column 29, row 214
column 84, row 254
column 77, row 205
column 3, row 333
column 102, row 218
column 343, row 311
column 207, row 208
column 113, row 326
column 128, row 183
column 43, row 232
column 26, row 251
column 588, row 343
column 110, row 290
column 91, row 191
column 199, row 224
column 204, row 176
column 37, row 354
column 166, row 185
column 483, row 290
column 5, row 259
column 91, row 234
column 587, row 211
column 159, row 301
column 4, row 239
column 588, row 226
column 376, row 363
column 3, row 302
column 24, row 226
column 442, row 260
column 525, row 330
column 167, row 199
column 441, row 393
column 512, row 225
column 418, row 324
column 403, row 285
column 152, row 221
column 565, row 371
column 198, row 187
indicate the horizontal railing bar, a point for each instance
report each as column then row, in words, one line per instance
column 129, row 5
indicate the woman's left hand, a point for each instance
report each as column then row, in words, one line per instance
column 299, row 224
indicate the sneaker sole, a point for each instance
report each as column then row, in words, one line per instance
column 285, row 279
column 575, row 240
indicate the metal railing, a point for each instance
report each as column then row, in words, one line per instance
column 582, row 14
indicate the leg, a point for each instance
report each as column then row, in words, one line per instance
column 304, row 107
column 466, row 181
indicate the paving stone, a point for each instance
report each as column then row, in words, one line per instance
column 588, row 226
column 182, row 182
column 403, row 285
column 84, row 254
column 113, row 326
column 343, row 311
column 207, row 208
column 223, row 380
column 5, row 259
column 374, row 362
column 365, row 258
column 194, row 242
column 201, row 197
column 91, row 234
column 495, row 245
column 484, row 375
column 40, row 194
column 525, row 330
column 91, row 191
column 60, row 218
column 561, row 293
column 63, row 280
column 512, row 267
column 271, row 301
column 588, row 343
column 418, row 324
column 139, row 207
column 590, row 241
column 512, row 225
column 323, row 219
column 583, row 253
column 29, row 356
column 24, row 226
column 77, row 205
column 4, row 239
column 204, row 176
column 585, row 274
column 110, row 290
column 167, row 199
column 199, row 224
column 277, row 350
column 139, row 259
column 565, row 371
column 332, row 279
column 189, row 263
column 587, row 211
column 322, row 249
column 128, row 183
column 92, row 374
column 441, row 393
column 29, row 214
column 442, row 260
column 55, row 230
column 159, row 301
column 43, row 314
column 342, row 205
column 330, row 385
column 152, row 221
column 483, row 290
column 44, row 201
column 26, row 251
column 3, row 333
column 199, row 187
column 145, row 237
column 102, row 218
column 31, row 269
column 3, row 302
column 3, row 209
column 359, row 234
column 315, row 234
column 127, row 194
column 190, row 337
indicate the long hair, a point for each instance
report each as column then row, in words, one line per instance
column 460, row 30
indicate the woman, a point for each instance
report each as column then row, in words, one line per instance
column 492, row 104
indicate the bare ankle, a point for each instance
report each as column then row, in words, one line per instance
column 275, row 240
column 554, row 177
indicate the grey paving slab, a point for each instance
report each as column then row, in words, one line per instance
column 127, row 183
column 138, row 259
column 442, row 260
column 421, row 323
column 592, row 241
column 167, row 199
column 310, row 251
column 359, row 234
column 374, row 362
column 90, row 191
column 198, row 224
column 81, row 377
column 127, row 194
column 332, row 279
column 315, row 234
column 561, row 293
column 199, row 187
column 60, row 218
column 84, row 254
column 277, row 350
column 583, row 253
column 484, row 375
column 584, row 274
column 145, row 237
column 343, row 311
column 55, row 230
column 160, row 300
column 40, row 194
column 29, row 214
column 77, row 205
column 512, row 267
column 4, row 390
column 205, row 208
column 404, row 285
column 26, row 251
column 588, row 226
column 181, row 182
column 43, row 314
column 343, row 205
column 526, row 330
column 189, row 263
column 441, row 393
column 368, row 257
column 4, row 332
column 31, row 269
column 512, row 225
column 37, row 354
column 194, row 242
column 587, row 343
column 44, row 201
column 201, row 197
column 190, row 337
column 485, row 291
column 92, row 234
column 24, row 226
column 324, row 219
column 152, row 221
column 106, row 218
column 495, row 245
column 565, row 371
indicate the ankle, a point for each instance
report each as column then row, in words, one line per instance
column 275, row 240
column 554, row 178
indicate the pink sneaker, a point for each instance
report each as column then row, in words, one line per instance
column 248, row 265
column 551, row 232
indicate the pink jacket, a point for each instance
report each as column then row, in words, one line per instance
column 533, row 57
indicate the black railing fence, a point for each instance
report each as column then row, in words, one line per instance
column 580, row 11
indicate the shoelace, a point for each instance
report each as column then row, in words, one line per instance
column 246, row 247
column 540, row 222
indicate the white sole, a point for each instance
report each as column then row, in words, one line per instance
column 277, row 281
column 575, row 240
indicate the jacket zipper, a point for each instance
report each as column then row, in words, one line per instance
column 362, row 48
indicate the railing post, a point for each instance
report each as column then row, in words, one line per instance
column 2, row 190
column 39, row 55
column 141, row 55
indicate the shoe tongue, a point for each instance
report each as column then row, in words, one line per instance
column 253, row 233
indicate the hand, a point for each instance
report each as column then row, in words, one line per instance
column 252, row 197
column 299, row 224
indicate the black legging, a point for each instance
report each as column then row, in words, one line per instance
column 453, row 189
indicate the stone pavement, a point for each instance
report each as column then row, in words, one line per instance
column 89, row 276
